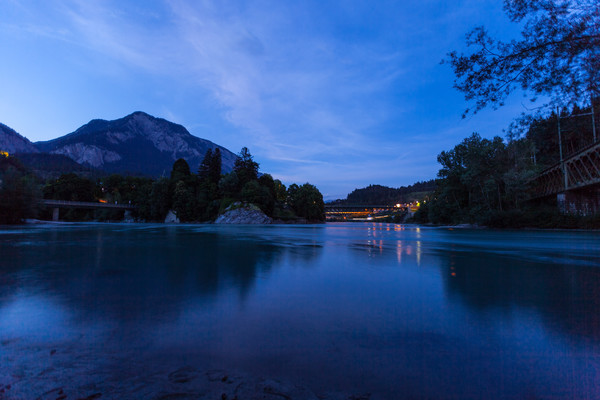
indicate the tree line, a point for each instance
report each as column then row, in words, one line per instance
column 556, row 59
column 194, row 197
column 488, row 181
column 19, row 191
column 384, row 195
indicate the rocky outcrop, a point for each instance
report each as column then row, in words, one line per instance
column 239, row 213
column 11, row 142
column 90, row 154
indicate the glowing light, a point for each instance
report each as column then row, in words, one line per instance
column 4, row 153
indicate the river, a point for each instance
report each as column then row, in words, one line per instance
column 338, row 311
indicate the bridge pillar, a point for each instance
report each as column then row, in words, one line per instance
column 55, row 214
column 585, row 202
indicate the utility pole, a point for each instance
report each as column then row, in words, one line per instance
column 559, row 137
column 593, row 121
column 562, row 163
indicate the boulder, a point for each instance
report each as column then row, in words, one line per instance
column 240, row 213
column 171, row 218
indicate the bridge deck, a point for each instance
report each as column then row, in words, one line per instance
column 85, row 204
column 337, row 208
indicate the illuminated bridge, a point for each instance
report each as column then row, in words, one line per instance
column 334, row 211
column 58, row 204
column 575, row 181
column 340, row 208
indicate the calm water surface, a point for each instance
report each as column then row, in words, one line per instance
column 388, row 310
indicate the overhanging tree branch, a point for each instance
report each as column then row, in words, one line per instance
column 557, row 56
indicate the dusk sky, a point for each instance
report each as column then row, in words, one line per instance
column 341, row 94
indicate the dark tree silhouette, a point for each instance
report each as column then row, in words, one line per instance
column 557, row 56
column 215, row 166
column 181, row 170
column 210, row 168
column 245, row 167
column 19, row 193
column 307, row 201
column 204, row 168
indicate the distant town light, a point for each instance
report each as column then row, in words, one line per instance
column 4, row 153
column 398, row 205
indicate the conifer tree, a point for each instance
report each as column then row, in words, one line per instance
column 214, row 173
column 245, row 167
column 204, row 168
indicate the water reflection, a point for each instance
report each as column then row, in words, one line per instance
column 139, row 273
column 381, row 238
column 566, row 298
column 391, row 309
column 553, row 275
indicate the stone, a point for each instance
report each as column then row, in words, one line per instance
column 171, row 218
column 241, row 213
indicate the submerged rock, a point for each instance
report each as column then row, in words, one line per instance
column 239, row 213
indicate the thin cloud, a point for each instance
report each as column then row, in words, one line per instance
column 263, row 91
column 316, row 96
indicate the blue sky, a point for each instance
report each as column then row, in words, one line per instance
column 341, row 94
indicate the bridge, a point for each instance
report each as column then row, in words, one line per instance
column 575, row 181
column 56, row 205
column 334, row 211
column 340, row 208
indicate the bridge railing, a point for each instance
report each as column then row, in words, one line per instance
column 85, row 204
column 577, row 171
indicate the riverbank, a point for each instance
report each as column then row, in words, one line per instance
column 59, row 377
column 542, row 217
column 298, row 221
column 305, row 222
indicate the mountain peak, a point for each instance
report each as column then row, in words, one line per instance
column 140, row 114
column 137, row 143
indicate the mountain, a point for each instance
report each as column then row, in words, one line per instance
column 12, row 142
column 138, row 143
